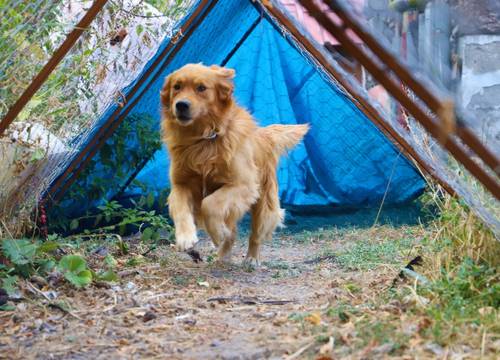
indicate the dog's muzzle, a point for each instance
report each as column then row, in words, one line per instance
column 183, row 110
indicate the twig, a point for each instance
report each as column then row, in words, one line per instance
column 319, row 259
column 34, row 290
column 124, row 273
column 66, row 311
column 386, row 190
column 299, row 352
column 249, row 300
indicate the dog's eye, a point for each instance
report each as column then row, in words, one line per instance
column 201, row 88
column 177, row 86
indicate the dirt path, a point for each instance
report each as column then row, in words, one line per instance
column 165, row 307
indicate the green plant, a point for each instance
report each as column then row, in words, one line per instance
column 74, row 269
column 463, row 296
column 108, row 173
column 27, row 257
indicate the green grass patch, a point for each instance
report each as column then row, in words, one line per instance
column 366, row 255
column 467, row 296
column 373, row 331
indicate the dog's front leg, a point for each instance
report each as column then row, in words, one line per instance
column 181, row 211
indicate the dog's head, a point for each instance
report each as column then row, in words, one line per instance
column 196, row 91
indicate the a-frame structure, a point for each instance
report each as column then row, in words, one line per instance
column 240, row 20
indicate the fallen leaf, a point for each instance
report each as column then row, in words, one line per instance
column 123, row 342
column 204, row 283
column 314, row 318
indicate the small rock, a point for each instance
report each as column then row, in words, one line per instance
column 50, row 294
column 101, row 251
column 148, row 316
column 266, row 315
column 216, row 343
column 384, row 348
column 131, row 287
column 204, row 284
column 187, row 319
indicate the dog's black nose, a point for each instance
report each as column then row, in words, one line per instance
column 182, row 106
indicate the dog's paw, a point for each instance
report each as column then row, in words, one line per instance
column 185, row 241
column 251, row 262
column 225, row 258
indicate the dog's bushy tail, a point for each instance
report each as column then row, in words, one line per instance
column 284, row 137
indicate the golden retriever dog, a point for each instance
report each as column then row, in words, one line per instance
column 222, row 164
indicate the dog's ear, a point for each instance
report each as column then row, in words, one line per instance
column 165, row 92
column 225, row 85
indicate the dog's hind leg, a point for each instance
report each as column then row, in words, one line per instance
column 224, row 251
column 221, row 212
column 266, row 216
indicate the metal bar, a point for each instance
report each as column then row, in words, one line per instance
column 60, row 186
column 365, row 107
column 430, row 99
column 241, row 41
column 56, row 58
column 379, row 72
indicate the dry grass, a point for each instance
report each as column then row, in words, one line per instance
column 458, row 233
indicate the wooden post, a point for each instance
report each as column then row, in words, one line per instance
column 56, row 58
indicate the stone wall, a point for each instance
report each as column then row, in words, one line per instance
column 480, row 85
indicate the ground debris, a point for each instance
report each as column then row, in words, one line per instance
column 195, row 255
column 320, row 259
column 166, row 306
column 409, row 269
column 248, row 300
column 148, row 316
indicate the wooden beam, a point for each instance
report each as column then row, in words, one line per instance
column 380, row 72
column 49, row 67
column 363, row 105
column 434, row 103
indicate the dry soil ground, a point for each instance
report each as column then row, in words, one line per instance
column 317, row 296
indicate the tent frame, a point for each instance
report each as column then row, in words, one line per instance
column 442, row 109
column 78, row 164
column 49, row 67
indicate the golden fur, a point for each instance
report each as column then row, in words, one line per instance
column 222, row 163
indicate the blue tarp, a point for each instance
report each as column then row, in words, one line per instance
column 344, row 160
